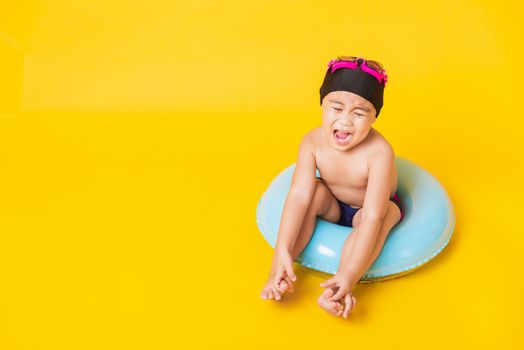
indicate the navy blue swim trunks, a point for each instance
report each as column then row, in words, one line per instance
column 347, row 212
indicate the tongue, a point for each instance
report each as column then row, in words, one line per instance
column 342, row 135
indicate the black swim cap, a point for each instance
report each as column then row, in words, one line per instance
column 356, row 81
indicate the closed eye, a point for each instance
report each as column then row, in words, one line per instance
column 338, row 109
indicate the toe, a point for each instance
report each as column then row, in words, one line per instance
column 263, row 294
column 277, row 295
column 329, row 307
column 270, row 294
column 283, row 286
column 333, row 306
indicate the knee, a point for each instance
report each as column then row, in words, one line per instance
column 389, row 214
column 321, row 198
column 391, row 218
column 393, row 211
column 320, row 190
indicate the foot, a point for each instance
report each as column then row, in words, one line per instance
column 334, row 308
column 271, row 292
column 281, row 276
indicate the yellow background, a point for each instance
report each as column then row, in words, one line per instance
column 136, row 139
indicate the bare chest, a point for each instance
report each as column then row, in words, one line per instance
column 343, row 171
column 345, row 175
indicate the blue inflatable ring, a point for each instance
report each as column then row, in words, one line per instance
column 425, row 230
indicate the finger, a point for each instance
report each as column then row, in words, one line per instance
column 353, row 303
column 330, row 282
column 278, row 277
column 327, row 293
column 276, row 280
column 349, row 304
column 333, row 305
column 291, row 273
column 277, row 295
column 335, row 308
column 338, row 306
column 339, row 294
column 263, row 295
column 340, row 310
column 283, row 286
column 289, row 284
column 328, row 307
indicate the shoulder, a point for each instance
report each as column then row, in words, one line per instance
column 314, row 134
column 311, row 139
column 381, row 149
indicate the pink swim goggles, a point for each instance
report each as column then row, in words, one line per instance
column 352, row 62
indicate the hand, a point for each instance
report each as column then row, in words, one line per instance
column 335, row 308
column 280, row 278
column 342, row 285
column 284, row 276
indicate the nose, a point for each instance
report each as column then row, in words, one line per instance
column 347, row 117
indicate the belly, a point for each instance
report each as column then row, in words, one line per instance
column 352, row 196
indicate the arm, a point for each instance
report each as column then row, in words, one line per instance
column 354, row 263
column 299, row 197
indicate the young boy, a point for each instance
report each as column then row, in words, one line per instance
column 357, row 188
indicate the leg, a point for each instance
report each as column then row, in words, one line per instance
column 391, row 218
column 323, row 205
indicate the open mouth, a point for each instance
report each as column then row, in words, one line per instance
column 342, row 137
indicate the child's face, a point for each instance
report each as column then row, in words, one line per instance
column 348, row 112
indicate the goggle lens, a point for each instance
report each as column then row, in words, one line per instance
column 374, row 65
column 377, row 66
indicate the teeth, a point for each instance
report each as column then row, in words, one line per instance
column 336, row 133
